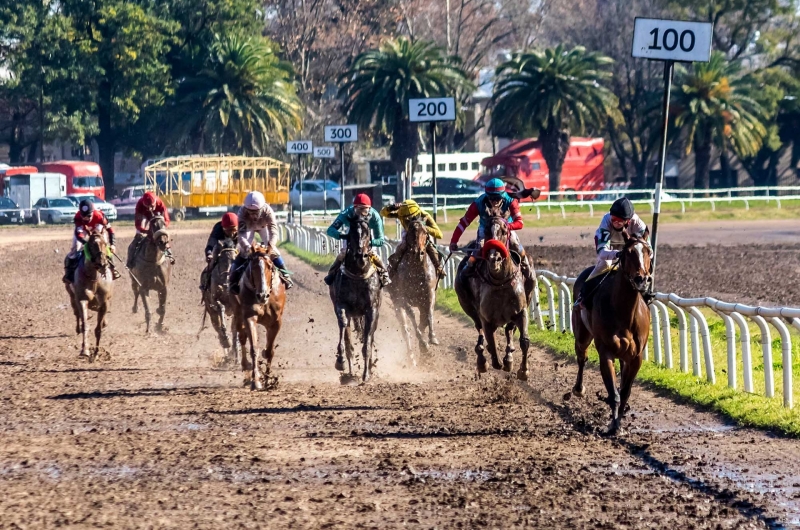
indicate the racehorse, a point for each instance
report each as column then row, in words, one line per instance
column 619, row 324
column 91, row 290
column 497, row 295
column 151, row 271
column 219, row 303
column 356, row 297
column 414, row 286
column 261, row 301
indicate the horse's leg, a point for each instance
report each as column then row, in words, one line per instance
column 76, row 309
column 366, row 345
column 524, row 344
column 102, row 309
column 480, row 349
column 247, row 366
column 256, row 382
column 146, row 304
column 629, row 371
column 491, row 345
column 429, row 311
column 135, row 289
column 508, row 360
column 217, row 322
column 418, row 327
column 348, row 344
column 583, row 339
column 222, row 332
column 341, row 320
column 162, row 308
column 84, row 305
column 272, row 333
column 402, row 317
column 610, row 380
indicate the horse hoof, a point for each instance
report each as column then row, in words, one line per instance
column 482, row 368
column 496, row 365
column 256, row 385
column 339, row 364
column 434, row 341
column 522, row 375
column 578, row 391
column 135, row 310
column 510, row 349
column 506, row 365
column 78, row 329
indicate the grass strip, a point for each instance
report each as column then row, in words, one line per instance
column 749, row 410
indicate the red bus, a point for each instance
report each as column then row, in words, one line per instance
column 582, row 171
column 11, row 171
column 82, row 177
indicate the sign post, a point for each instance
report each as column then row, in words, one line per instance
column 324, row 153
column 432, row 110
column 669, row 41
column 341, row 134
column 300, row 147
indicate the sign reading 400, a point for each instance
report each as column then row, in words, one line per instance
column 299, row 147
column 672, row 40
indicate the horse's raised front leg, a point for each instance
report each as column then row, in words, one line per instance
column 269, row 351
column 341, row 319
column 429, row 312
column 348, row 345
column 136, row 293
column 162, row 309
column 256, row 381
column 524, row 344
column 402, row 317
column 84, row 305
column 479, row 351
column 583, row 339
column 76, row 308
column 610, row 381
column 491, row 345
column 508, row 359
column 370, row 323
column 146, row 304
column 247, row 366
column 102, row 309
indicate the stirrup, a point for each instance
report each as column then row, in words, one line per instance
column 115, row 275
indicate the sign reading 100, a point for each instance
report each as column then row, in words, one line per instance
column 671, row 40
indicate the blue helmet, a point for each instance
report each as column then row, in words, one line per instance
column 495, row 187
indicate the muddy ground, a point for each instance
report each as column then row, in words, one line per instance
column 156, row 438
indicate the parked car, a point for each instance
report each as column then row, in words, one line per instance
column 312, row 195
column 448, row 186
column 55, row 210
column 108, row 209
column 126, row 202
column 10, row 212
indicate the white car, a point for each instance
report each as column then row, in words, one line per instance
column 54, row 210
column 312, row 195
column 126, row 202
column 108, row 209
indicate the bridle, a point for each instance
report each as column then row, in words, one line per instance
column 621, row 262
column 260, row 291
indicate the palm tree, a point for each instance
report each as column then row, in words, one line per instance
column 550, row 93
column 376, row 89
column 242, row 100
column 715, row 106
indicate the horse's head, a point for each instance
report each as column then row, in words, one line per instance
column 634, row 261
column 417, row 236
column 158, row 232
column 498, row 229
column 497, row 257
column 226, row 255
column 259, row 272
column 96, row 250
column 359, row 243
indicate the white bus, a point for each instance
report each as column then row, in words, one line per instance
column 454, row 165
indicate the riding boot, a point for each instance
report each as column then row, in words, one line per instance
column 587, row 290
column 334, row 269
column 114, row 272
column 70, row 266
column 286, row 279
column 525, row 266
column 205, row 279
column 433, row 253
column 133, row 250
column 237, row 269
column 382, row 272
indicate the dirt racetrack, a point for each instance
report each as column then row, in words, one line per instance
column 155, row 438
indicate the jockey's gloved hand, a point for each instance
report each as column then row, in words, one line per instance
column 208, row 258
column 377, row 242
column 453, row 247
column 113, row 249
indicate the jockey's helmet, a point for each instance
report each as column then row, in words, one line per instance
column 409, row 208
column 230, row 220
column 362, row 199
column 622, row 209
column 254, row 201
column 149, row 199
column 495, row 187
column 86, row 207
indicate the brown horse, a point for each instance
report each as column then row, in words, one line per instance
column 152, row 268
column 261, row 301
column 220, row 303
column 619, row 324
column 497, row 295
column 91, row 290
column 414, row 286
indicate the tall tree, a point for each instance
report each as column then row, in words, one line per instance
column 376, row 89
column 714, row 106
column 552, row 93
column 241, row 101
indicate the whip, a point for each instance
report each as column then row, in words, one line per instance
column 127, row 269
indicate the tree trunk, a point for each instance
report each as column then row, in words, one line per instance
column 555, row 144
column 106, row 141
column 404, row 145
column 702, row 160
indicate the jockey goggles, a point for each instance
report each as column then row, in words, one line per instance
column 619, row 220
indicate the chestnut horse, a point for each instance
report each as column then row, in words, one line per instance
column 619, row 324
column 91, row 290
column 261, row 301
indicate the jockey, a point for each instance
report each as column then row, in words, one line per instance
column 87, row 220
column 147, row 207
column 608, row 241
column 256, row 217
column 361, row 208
column 494, row 199
column 224, row 229
column 406, row 212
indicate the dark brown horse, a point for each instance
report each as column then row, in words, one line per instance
column 221, row 304
column 497, row 295
column 152, row 268
column 356, row 297
column 262, row 299
column 414, row 286
column 619, row 324
column 90, row 290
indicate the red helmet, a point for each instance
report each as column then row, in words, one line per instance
column 230, row 220
column 149, row 199
column 362, row 199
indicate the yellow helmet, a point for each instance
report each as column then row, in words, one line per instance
column 409, row 208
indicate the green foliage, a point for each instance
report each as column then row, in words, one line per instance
column 242, row 99
column 376, row 89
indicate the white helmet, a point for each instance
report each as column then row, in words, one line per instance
column 254, row 200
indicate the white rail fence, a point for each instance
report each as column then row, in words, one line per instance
column 694, row 337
